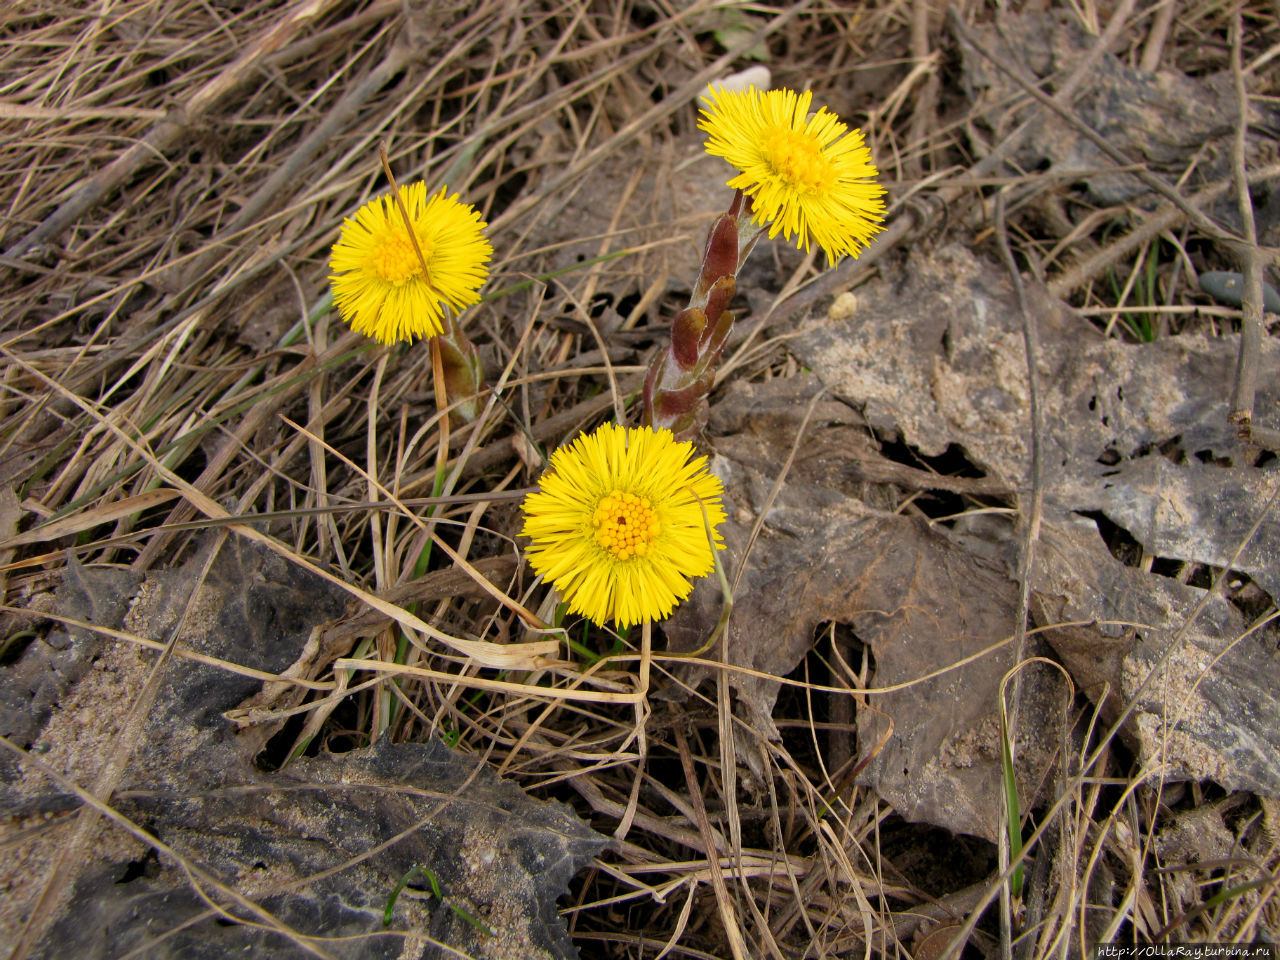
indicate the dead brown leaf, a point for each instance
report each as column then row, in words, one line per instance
column 1137, row 431
column 937, row 619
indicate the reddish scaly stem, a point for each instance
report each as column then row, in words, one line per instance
column 681, row 376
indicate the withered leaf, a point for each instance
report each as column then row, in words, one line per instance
column 323, row 844
column 1137, row 431
column 1210, row 710
column 1162, row 119
column 920, row 602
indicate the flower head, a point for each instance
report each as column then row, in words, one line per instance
column 378, row 282
column 806, row 175
column 617, row 523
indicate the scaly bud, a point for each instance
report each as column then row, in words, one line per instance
column 718, row 298
column 719, row 256
column 463, row 374
column 686, row 333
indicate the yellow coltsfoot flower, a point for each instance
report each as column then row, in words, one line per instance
column 617, row 523
column 806, row 175
column 378, row 282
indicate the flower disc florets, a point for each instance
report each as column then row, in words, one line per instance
column 379, row 284
column 617, row 523
column 806, row 175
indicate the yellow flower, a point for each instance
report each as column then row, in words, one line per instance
column 808, row 176
column 617, row 523
column 378, row 281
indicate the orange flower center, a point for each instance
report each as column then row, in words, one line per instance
column 625, row 524
column 797, row 158
column 395, row 260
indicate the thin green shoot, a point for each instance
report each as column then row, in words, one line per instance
column 1143, row 326
column 1152, row 293
column 589, row 657
column 451, row 735
column 1013, row 812
column 419, row 871
column 299, row 750
column 580, row 647
column 1012, row 806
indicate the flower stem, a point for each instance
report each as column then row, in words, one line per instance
column 680, row 377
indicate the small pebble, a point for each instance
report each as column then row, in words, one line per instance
column 843, row 307
column 1227, row 287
